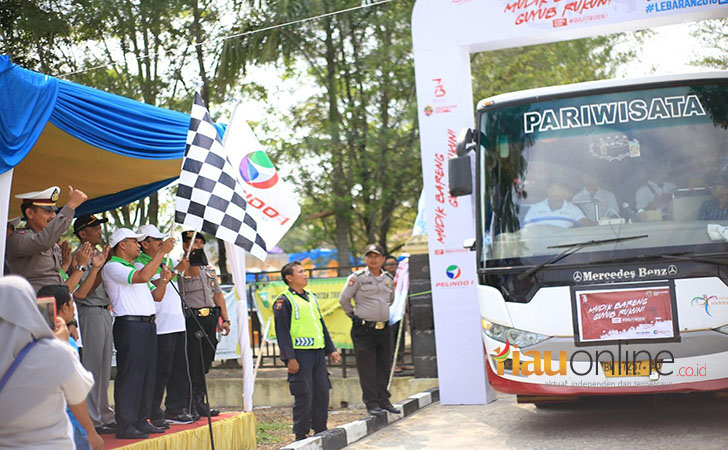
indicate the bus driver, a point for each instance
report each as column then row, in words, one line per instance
column 555, row 210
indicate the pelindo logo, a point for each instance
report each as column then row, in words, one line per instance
column 453, row 272
column 428, row 110
column 258, row 171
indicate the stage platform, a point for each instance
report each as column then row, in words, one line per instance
column 231, row 431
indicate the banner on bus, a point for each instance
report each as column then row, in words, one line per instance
column 626, row 314
column 327, row 291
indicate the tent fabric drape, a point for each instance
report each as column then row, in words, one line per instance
column 26, row 101
column 107, row 202
column 126, row 127
column 118, row 124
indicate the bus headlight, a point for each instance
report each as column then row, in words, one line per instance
column 515, row 336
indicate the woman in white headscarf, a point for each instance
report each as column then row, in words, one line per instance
column 33, row 402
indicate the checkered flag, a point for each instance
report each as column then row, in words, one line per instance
column 210, row 195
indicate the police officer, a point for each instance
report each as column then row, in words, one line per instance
column 94, row 319
column 33, row 252
column 202, row 294
column 304, row 342
column 373, row 293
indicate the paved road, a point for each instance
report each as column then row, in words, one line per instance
column 693, row 421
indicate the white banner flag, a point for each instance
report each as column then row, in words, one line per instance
column 264, row 189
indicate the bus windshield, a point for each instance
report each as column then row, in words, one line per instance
column 646, row 161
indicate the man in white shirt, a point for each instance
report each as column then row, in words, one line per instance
column 656, row 194
column 172, row 371
column 593, row 198
column 555, row 210
column 135, row 334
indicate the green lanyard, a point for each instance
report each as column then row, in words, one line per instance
column 126, row 263
column 143, row 258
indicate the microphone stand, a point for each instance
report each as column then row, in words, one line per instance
column 199, row 334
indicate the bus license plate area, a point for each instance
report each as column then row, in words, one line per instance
column 642, row 368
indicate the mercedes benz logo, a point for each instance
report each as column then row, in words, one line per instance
column 672, row 269
column 577, row 276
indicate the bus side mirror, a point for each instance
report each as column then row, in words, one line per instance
column 459, row 170
column 460, row 176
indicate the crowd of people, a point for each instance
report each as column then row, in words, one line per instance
column 126, row 294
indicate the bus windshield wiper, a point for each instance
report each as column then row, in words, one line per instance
column 684, row 257
column 570, row 249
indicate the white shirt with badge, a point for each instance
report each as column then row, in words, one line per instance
column 541, row 213
column 170, row 318
column 127, row 298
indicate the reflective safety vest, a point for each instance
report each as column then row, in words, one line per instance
column 306, row 330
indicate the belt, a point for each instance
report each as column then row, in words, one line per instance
column 204, row 312
column 370, row 324
column 151, row 318
column 93, row 306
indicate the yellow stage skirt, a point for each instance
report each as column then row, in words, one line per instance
column 233, row 433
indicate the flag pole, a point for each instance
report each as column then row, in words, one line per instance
column 192, row 241
column 260, row 347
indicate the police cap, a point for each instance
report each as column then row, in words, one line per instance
column 42, row 199
column 374, row 248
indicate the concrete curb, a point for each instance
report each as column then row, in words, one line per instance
column 343, row 435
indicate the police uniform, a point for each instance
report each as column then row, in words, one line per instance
column 95, row 320
column 37, row 256
column 302, row 334
column 370, row 332
column 198, row 293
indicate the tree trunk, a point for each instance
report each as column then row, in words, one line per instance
column 342, row 203
column 205, row 94
column 153, row 209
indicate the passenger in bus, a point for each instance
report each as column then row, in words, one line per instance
column 656, row 194
column 717, row 207
column 595, row 201
column 555, row 210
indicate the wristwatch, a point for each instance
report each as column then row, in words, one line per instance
column 80, row 267
column 226, row 321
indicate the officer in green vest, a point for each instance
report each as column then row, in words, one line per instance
column 304, row 342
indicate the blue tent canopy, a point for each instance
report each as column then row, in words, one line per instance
column 55, row 132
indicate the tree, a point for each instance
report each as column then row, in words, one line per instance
column 32, row 33
column 360, row 121
column 714, row 36
column 551, row 64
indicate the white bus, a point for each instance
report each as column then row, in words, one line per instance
column 602, row 236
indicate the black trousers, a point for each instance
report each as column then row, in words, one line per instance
column 171, row 375
column 209, row 324
column 136, row 361
column 310, row 389
column 373, row 351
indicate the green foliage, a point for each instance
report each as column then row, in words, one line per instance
column 714, row 36
column 551, row 64
column 358, row 162
column 31, row 31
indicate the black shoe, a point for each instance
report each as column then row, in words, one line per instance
column 376, row 411
column 108, row 428
column 149, row 428
column 181, row 418
column 392, row 409
column 132, row 432
column 300, row 437
column 160, row 423
column 202, row 410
